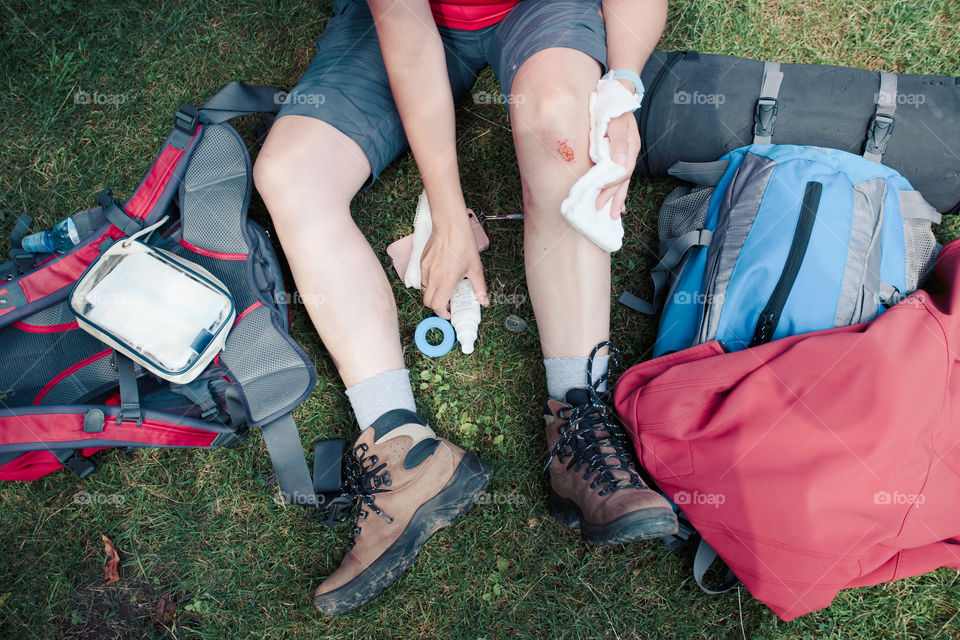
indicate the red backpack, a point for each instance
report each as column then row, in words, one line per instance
column 67, row 395
column 816, row 462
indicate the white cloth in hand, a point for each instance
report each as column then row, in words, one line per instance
column 610, row 100
column 422, row 228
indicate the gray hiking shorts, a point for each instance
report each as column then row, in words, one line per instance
column 346, row 84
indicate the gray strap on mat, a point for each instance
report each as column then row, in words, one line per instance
column 765, row 111
column 881, row 124
column 705, row 557
column 289, row 463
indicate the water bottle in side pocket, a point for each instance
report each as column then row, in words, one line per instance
column 57, row 240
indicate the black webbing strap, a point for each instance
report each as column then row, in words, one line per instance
column 115, row 214
column 20, row 229
column 129, row 393
column 237, row 99
column 685, row 535
column 20, row 261
column 289, row 463
column 87, row 221
column 198, row 392
column 328, row 465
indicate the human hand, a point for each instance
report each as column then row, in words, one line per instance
column 449, row 256
column 624, row 137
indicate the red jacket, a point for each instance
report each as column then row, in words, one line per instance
column 817, row 462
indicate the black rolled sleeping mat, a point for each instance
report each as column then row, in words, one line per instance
column 698, row 107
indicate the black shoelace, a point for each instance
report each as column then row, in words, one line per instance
column 591, row 438
column 366, row 476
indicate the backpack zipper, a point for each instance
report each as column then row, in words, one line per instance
column 770, row 316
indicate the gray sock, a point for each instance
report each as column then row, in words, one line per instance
column 564, row 374
column 373, row 397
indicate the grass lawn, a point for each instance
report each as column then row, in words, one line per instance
column 202, row 528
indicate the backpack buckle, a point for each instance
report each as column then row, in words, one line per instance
column 115, row 214
column 185, row 123
column 24, row 261
column 230, row 440
column 130, row 411
column 878, row 133
column 79, row 465
column 334, row 511
column 765, row 116
column 186, row 119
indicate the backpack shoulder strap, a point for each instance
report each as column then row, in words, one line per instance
column 50, row 282
column 702, row 562
column 237, row 99
column 672, row 252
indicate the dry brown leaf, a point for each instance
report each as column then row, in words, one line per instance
column 111, row 571
column 166, row 610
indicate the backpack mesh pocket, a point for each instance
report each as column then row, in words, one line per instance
column 683, row 210
column 922, row 251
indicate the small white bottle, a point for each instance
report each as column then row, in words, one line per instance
column 465, row 315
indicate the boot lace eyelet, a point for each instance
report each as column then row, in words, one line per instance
column 592, row 437
column 365, row 478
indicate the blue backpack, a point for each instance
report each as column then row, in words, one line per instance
column 777, row 240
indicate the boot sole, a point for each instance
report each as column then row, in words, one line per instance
column 645, row 524
column 469, row 480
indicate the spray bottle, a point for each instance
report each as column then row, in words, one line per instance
column 465, row 315
column 464, row 307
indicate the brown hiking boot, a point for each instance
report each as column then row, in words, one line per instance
column 408, row 483
column 594, row 482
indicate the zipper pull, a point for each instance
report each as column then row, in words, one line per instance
column 764, row 330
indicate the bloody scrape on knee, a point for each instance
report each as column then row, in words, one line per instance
column 565, row 151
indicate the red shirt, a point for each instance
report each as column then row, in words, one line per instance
column 470, row 15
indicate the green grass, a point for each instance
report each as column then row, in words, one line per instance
column 202, row 527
